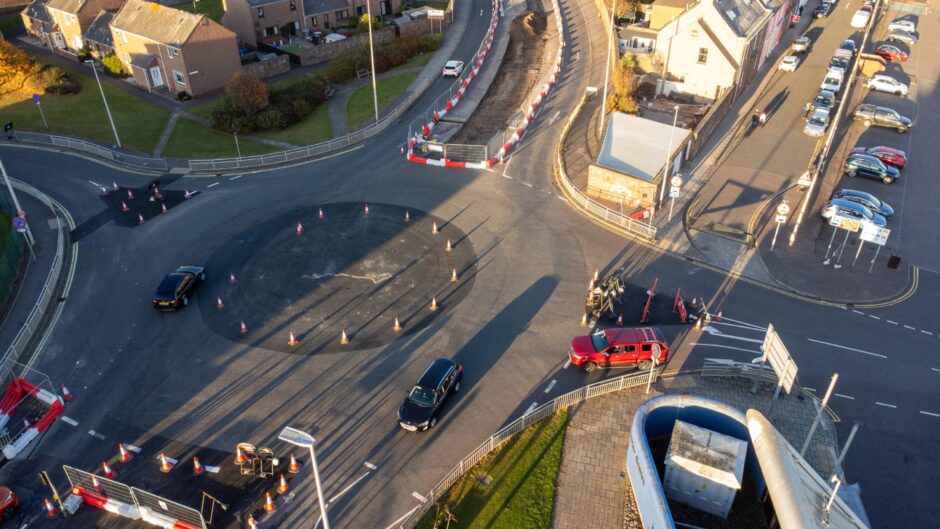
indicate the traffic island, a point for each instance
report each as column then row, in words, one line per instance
column 304, row 282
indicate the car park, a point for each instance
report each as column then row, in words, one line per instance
column 870, row 167
column 424, row 403
column 789, row 63
column 817, row 124
column 832, row 81
column 177, row 286
column 904, row 25
column 452, row 69
column 869, row 115
column 884, row 83
column 888, row 155
column 822, row 10
column 891, row 53
column 868, row 200
column 824, row 99
column 850, row 209
column 899, row 35
column 860, row 19
column 848, row 45
column 800, row 45
column 619, row 347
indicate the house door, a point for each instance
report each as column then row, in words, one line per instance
column 156, row 77
column 58, row 39
column 386, row 7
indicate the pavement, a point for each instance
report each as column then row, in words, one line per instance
column 593, row 489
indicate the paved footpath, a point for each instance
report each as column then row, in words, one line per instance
column 593, row 489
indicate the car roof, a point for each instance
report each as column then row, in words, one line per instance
column 620, row 335
column 170, row 282
column 862, row 156
column 820, row 110
column 452, row 63
column 854, row 206
column 435, row 372
column 858, row 194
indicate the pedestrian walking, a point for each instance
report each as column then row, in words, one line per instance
column 762, row 119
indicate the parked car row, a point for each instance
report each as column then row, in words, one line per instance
column 818, row 112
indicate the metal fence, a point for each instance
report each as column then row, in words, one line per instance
column 92, row 148
column 456, row 152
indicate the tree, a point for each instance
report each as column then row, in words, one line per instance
column 17, row 69
column 623, row 97
column 363, row 25
column 247, row 92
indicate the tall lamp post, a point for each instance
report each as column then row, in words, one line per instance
column 107, row 109
column 375, row 93
column 610, row 45
column 305, row 440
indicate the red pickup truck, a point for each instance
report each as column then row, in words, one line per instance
column 619, row 347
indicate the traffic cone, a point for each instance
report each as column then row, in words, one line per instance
column 698, row 324
column 66, row 394
column 218, row 303
column 165, row 465
column 590, row 285
column 244, row 328
column 718, row 316
column 104, row 191
column 108, row 472
column 397, row 326
column 157, row 193
column 95, row 483
column 596, row 275
column 708, row 319
column 292, row 340
column 239, row 456
column 231, row 278
column 453, row 276
column 294, row 466
column 320, row 213
column 282, row 486
column 344, row 339
column 407, row 216
column 140, row 219
column 584, row 320
column 197, row 467
column 694, row 304
column 125, row 455
column 114, row 186
column 433, row 303
column 163, row 209
column 130, row 195
column 51, row 511
column 366, row 210
column 187, row 195
column 124, row 207
column 449, row 247
column 300, row 228
column 620, row 320
column 269, row 503
column 434, row 230
column 252, row 524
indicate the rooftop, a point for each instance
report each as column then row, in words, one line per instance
column 637, row 146
column 100, row 31
column 157, row 22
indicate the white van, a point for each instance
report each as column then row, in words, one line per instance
column 833, row 80
column 860, row 19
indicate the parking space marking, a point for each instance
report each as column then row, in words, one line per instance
column 419, row 497
column 550, row 385
column 213, row 184
column 351, row 485
column 370, row 466
column 886, row 405
column 96, row 435
column 69, row 420
column 531, row 407
column 844, row 396
column 567, row 363
column 847, row 348
column 931, row 414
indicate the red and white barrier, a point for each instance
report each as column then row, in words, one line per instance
column 16, row 391
column 128, row 510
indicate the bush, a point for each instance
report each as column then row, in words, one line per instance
column 272, row 118
column 55, row 80
column 285, row 106
column 247, row 93
column 113, row 66
column 387, row 56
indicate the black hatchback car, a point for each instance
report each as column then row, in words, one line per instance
column 870, row 167
column 420, row 410
column 177, row 286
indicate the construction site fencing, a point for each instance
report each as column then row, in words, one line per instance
column 464, row 153
column 93, row 149
column 168, row 508
column 28, row 328
column 10, row 370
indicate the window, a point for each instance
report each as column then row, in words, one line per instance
column 702, row 55
column 127, row 58
column 342, row 14
column 293, row 5
column 313, row 21
column 178, row 77
column 123, row 37
column 260, row 12
column 172, row 53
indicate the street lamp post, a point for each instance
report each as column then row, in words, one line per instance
column 28, row 233
column 610, row 44
column 107, row 109
column 672, row 134
column 238, row 149
column 305, row 440
column 375, row 93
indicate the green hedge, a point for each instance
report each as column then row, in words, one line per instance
column 387, row 56
column 288, row 105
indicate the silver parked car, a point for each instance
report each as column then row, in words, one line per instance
column 817, row 124
column 899, row 35
column 866, row 199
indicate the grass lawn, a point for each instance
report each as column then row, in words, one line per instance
column 419, row 60
column 138, row 123
column 211, row 8
column 522, row 491
column 191, row 140
column 313, row 129
column 360, row 109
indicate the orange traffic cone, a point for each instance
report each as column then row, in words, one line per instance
column 718, row 316
column 231, row 278
column 397, row 326
column 343, row 339
column 187, row 195
column 590, row 285
column 108, row 473
column 95, row 483
column 163, row 209
column 620, row 320
column 125, row 456
column 453, row 276
column 244, row 328
column 269, row 503
column 140, row 219
column 51, row 511
column 197, row 466
column 294, row 466
column 320, row 213
column 584, row 320
column 300, row 228
column 433, row 303
column 434, row 230
column 66, row 394
column 694, row 304
column 596, row 275
column 292, row 340
column 252, row 524
column 130, row 196
column 366, row 210
column 165, row 465
column 282, row 486
column 698, row 324
column 218, row 302
column 239, row 456
column 124, row 207
column 449, row 247
column 407, row 216
column 114, row 186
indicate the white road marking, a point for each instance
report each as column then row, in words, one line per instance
column 236, row 177
column 750, row 325
column 506, row 167
column 725, row 347
column 526, row 184
column 847, row 348
column 886, row 405
column 550, row 385
column 926, row 332
column 96, row 435
column 213, row 184
column 419, row 497
column 746, row 327
column 844, row 396
column 132, row 448
column 351, row 485
column 370, row 466
column 567, row 363
column 554, row 118
column 69, row 420
column 715, row 332
column 858, row 312
column 212, row 469
column 931, row 414
column 169, row 460
column 909, row 328
column 398, row 521
column 874, row 317
column 320, row 519
column 507, row 176
column 892, row 322
column 531, row 407
column 810, row 389
column 562, row 198
column 935, row 369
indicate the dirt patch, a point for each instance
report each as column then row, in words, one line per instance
column 518, row 73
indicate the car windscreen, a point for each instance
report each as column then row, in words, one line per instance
column 422, row 396
column 819, row 119
column 600, row 341
column 169, row 284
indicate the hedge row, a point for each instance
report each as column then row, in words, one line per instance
column 287, row 106
column 387, row 56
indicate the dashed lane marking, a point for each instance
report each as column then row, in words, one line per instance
column 935, row 369
column 531, row 407
column 351, row 485
column 908, row 327
column 236, row 177
column 931, row 414
column 926, row 332
column 874, row 317
column 419, row 497
column 858, row 312
column 406, row 515
column 550, row 385
column 810, row 389
column 96, row 435
column 567, row 364
column 847, row 348
column 69, row 420
column 892, row 322
column 885, row 404
column 213, row 184
column 562, row 198
column 132, row 448
column 844, row 396
column 370, row 466
column 527, row 184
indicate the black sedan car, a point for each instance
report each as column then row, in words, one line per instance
column 870, row 167
column 177, row 286
column 822, row 10
column 420, row 410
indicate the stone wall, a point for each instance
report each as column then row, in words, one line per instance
column 422, row 26
column 325, row 52
column 613, row 186
column 269, row 68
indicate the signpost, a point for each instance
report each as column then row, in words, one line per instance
column 848, row 224
column 439, row 15
column 780, row 360
column 875, row 234
column 782, row 209
column 676, row 182
column 805, row 180
column 39, row 106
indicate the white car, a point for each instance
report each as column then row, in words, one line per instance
column 789, row 63
column 903, row 25
column 860, row 19
column 833, row 80
column 817, row 124
column 453, row 69
column 883, row 83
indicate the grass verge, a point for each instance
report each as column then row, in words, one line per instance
column 191, row 140
column 314, row 128
column 211, row 8
column 522, row 488
column 360, row 109
column 419, row 60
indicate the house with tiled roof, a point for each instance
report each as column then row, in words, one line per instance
column 71, row 18
column 37, row 22
column 98, row 39
column 166, row 49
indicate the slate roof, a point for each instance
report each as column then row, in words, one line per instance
column 312, row 7
column 99, row 30
column 69, row 6
column 741, row 15
column 637, row 147
column 156, row 22
column 36, row 10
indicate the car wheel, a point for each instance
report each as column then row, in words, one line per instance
column 644, row 365
column 902, row 130
column 590, row 367
column 202, row 276
column 897, row 92
column 9, row 512
column 887, row 180
column 867, row 123
column 456, row 386
column 185, row 301
column 432, row 423
column 851, row 173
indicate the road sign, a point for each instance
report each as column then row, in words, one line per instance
column 805, row 180
column 875, row 234
column 21, row 213
column 845, row 223
column 676, row 181
column 20, row 224
column 36, row 98
column 435, row 13
column 776, row 353
column 780, row 219
column 673, row 192
column 783, row 208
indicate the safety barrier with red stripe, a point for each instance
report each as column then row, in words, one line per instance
column 19, row 389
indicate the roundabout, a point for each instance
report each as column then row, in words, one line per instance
column 319, row 272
